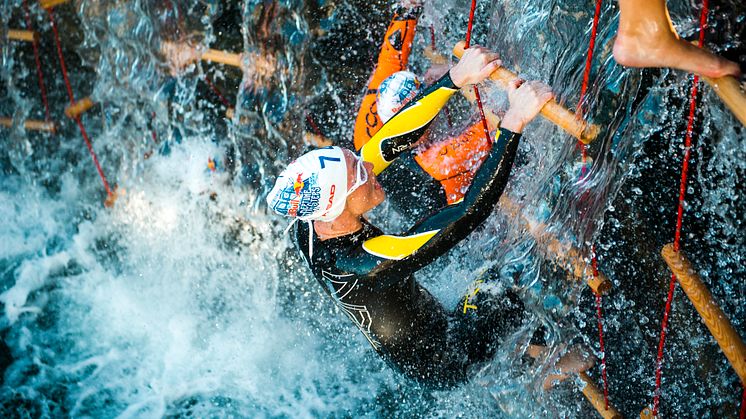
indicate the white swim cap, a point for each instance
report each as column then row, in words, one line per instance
column 395, row 92
column 313, row 187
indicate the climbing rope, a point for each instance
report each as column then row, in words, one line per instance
column 680, row 212
column 314, row 127
column 72, row 101
column 584, row 152
column 599, row 318
column 217, row 92
column 35, row 43
column 476, row 89
column 589, row 59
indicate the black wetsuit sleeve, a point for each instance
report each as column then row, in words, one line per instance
column 391, row 258
column 405, row 128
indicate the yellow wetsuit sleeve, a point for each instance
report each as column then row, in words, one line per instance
column 406, row 127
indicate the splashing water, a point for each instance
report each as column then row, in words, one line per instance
column 186, row 297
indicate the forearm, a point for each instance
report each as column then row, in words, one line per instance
column 443, row 230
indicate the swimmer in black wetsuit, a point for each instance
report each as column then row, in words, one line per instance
column 370, row 274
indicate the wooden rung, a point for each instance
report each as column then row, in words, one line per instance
column 31, row 125
column 223, row 57
column 111, row 198
column 79, row 107
column 596, row 397
column 726, row 336
column 22, row 35
column 48, row 4
column 565, row 255
column 553, row 111
column 731, row 93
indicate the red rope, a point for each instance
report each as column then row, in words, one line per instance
column 39, row 73
column 72, row 101
column 586, row 78
column 584, row 153
column 314, row 127
column 742, row 415
column 217, row 92
column 599, row 316
column 680, row 212
column 476, row 90
column 589, row 58
column 467, row 40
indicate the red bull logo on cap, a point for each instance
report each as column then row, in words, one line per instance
column 298, row 185
column 299, row 198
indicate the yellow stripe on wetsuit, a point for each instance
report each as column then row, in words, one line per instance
column 395, row 247
column 408, row 120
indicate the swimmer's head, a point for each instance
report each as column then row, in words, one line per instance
column 395, row 92
column 317, row 185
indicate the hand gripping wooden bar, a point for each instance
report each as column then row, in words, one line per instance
column 553, row 111
column 492, row 119
column 31, row 125
column 79, row 107
column 596, row 397
column 714, row 318
column 22, row 35
column 227, row 58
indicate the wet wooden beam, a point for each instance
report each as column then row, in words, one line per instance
column 48, row 4
column 596, row 397
column 562, row 253
column 31, row 125
column 731, row 93
column 223, row 57
column 22, row 35
column 726, row 336
column 79, row 107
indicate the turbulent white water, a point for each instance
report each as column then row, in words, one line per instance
column 186, row 298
